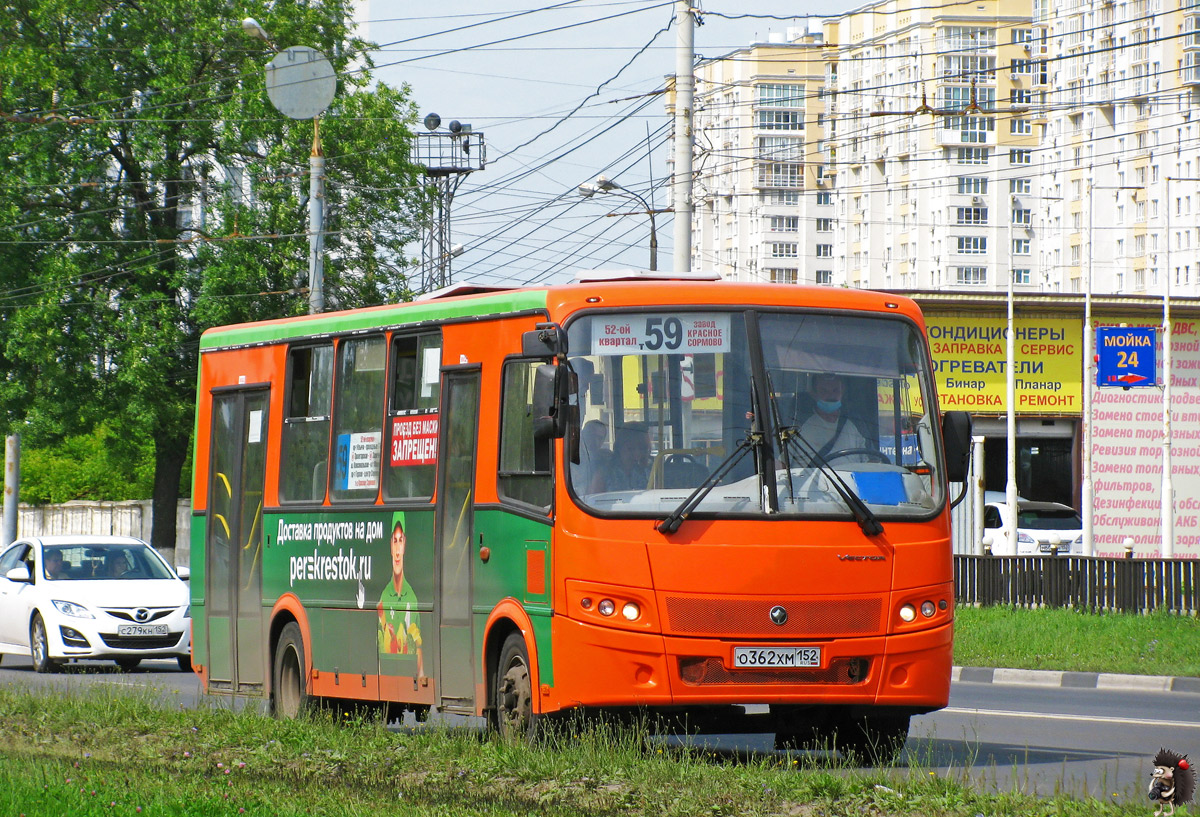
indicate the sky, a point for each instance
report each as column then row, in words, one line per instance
column 563, row 92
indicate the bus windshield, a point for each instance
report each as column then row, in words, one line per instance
column 762, row 411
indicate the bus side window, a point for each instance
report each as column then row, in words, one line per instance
column 410, row 461
column 525, row 474
column 358, row 419
column 305, row 444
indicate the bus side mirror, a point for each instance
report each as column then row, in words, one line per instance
column 547, row 340
column 956, row 433
column 550, row 401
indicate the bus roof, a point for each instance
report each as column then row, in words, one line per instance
column 558, row 302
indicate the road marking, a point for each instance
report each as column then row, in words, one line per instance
column 1051, row 716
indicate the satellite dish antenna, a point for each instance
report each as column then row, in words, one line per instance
column 300, row 82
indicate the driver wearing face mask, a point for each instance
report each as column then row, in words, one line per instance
column 830, row 430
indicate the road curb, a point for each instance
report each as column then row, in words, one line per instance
column 1075, row 680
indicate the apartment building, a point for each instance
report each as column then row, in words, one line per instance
column 763, row 206
column 945, row 146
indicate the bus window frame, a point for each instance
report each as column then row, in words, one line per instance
column 333, row 499
column 404, row 333
column 301, row 345
column 543, row 513
column 754, row 340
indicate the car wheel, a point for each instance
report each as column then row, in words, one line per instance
column 185, row 663
column 39, row 647
column 127, row 664
column 290, row 697
column 513, row 692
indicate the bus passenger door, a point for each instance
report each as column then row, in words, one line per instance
column 233, row 547
column 455, row 528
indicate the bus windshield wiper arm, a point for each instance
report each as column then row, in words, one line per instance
column 675, row 519
column 863, row 515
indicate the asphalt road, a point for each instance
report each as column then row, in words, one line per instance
column 1030, row 737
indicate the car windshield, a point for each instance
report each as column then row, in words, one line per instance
column 669, row 399
column 1049, row 519
column 103, row 561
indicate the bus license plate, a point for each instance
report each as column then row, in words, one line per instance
column 141, row 629
column 788, row 657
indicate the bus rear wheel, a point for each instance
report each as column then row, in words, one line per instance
column 289, row 682
column 513, row 692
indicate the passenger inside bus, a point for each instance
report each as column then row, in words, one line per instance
column 594, row 454
column 629, row 467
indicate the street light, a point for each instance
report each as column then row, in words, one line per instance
column 603, row 184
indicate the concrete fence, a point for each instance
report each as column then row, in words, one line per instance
column 131, row 518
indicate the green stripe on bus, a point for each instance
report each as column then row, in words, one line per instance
column 415, row 312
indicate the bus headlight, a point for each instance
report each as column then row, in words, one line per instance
column 908, row 613
column 631, row 611
column 928, row 609
column 606, row 607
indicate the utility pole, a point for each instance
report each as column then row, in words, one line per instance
column 685, row 94
column 12, row 484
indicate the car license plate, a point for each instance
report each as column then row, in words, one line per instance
column 789, row 657
column 141, row 629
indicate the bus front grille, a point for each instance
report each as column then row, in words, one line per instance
column 705, row 671
column 806, row 618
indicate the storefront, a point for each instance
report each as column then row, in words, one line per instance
column 967, row 338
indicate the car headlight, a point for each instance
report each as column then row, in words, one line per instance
column 187, row 611
column 70, row 608
column 1025, row 537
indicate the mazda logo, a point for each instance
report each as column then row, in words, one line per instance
column 778, row 615
column 141, row 614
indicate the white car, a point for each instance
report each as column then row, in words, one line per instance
column 1040, row 526
column 92, row 597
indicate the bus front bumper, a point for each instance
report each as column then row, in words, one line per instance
column 601, row 667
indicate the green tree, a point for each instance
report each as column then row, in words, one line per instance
column 148, row 190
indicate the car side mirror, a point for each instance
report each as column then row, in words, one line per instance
column 20, row 573
column 183, row 572
column 956, row 433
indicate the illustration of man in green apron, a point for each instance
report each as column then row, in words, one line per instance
column 399, row 622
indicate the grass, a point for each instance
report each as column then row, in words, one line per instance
column 1061, row 639
column 117, row 752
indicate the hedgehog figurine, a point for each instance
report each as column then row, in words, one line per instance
column 1173, row 782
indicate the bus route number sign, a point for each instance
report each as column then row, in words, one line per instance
column 663, row 334
column 1125, row 356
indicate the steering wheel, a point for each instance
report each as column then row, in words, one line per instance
column 870, row 453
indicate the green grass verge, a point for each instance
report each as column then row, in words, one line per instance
column 1059, row 639
column 117, row 752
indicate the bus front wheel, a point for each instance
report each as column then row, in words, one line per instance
column 874, row 739
column 289, row 688
column 513, row 693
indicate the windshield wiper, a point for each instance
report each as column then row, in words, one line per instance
column 784, row 451
column 753, row 439
column 863, row 515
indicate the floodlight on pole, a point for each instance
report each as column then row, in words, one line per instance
column 603, row 184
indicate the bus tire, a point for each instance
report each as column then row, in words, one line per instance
column 290, row 696
column 513, row 691
column 872, row 739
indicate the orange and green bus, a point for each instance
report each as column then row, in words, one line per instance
column 605, row 495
